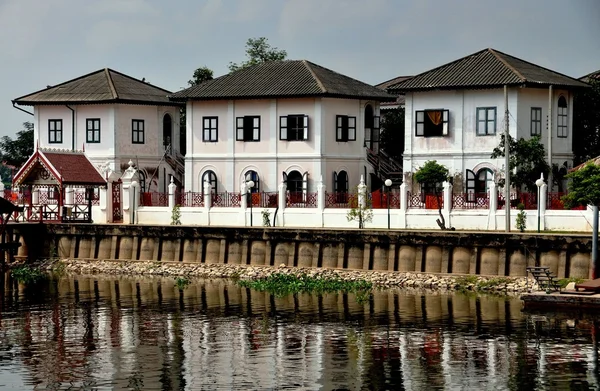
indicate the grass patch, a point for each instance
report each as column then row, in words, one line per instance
column 563, row 282
column 474, row 283
column 26, row 274
column 281, row 284
column 59, row 269
column 182, row 282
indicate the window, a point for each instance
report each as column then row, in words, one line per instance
column 55, row 131
column 295, row 181
column 142, row 177
column 431, row 123
column 93, row 130
column 345, row 128
column 248, row 128
column 137, row 131
column 253, row 176
column 293, row 127
column 340, row 182
column 167, row 130
column 562, row 127
column 210, row 129
column 536, row 121
column 210, row 177
column 486, row 121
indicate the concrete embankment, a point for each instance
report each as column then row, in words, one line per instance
column 414, row 252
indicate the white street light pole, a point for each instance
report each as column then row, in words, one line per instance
column 539, row 183
column 250, row 185
column 388, row 185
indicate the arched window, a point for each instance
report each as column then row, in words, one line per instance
column 294, row 182
column 142, row 177
column 210, row 177
column 485, row 176
column 340, row 182
column 562, row 127
column 253, row 176
column 167, row 130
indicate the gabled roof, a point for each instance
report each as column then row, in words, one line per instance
column 282, row 79
column 384, row 85
column 487, row 68
column 66, row 167
column 102, row 86
column 400, row 99
column 594, row 75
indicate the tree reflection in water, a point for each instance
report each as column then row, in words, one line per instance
column 145, row 333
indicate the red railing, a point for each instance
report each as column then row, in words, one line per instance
column 554, row 202
column 301, row 200
column 190, row 199
column 529, row 200
column 341, row 200
column 425, row 201
column 154, row 199
column 264, row 199
column 226, row 200
column 470, row 201
column 379, row 200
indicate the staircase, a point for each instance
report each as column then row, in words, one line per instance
column 385, row 166
column 175, row 160
column 545, row 279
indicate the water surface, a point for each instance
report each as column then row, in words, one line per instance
column 142, row 333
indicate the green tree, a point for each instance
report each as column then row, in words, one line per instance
column 200, row 75
column 16, row 152
column 586, row 123
column 392, row 133
column 258, row 51
column 432, row 175
column 527, row 161
column 583, row 186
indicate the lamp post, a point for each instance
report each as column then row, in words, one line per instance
column 250, row 185
column 539, row 183
column 388, row 184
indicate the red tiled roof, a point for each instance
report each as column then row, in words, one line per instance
column 69, row 168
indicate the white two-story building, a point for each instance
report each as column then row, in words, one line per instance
column 114, row 118
column 455, row 114
column 291, row 121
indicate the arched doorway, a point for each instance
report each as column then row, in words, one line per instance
column 167, row 130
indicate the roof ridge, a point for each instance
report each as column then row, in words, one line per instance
column 506, row 64
column 315, row 77
column 138, row 80
column 58, row 85
column 539, row 66
column 111, row 84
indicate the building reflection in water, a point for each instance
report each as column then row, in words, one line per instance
column 144, row 333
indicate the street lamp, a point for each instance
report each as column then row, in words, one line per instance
column 388, row 184
column 539, row 183
column 250, row 185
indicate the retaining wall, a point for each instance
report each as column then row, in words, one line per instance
column 482, row 253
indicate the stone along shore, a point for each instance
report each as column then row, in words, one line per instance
column 495, row 284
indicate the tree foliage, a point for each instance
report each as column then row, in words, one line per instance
column 258, row 51
column 392, row 133
column 527, row 161
column 16, row 152
column 200, row 75
column 586, row 123
column 432, row 173
column 584, row 186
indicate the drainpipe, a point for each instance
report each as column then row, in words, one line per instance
column 72, row 127
column 18, row 108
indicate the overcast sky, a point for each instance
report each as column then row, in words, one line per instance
column 46, row 42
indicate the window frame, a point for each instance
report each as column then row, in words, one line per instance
column 536, row 121
column 56, row 132
column 241, row 130
column 562, row 113
column 212, row 138
column 445, row 123
column 94, row 132
column 284, row 128
column 486, row 120
column 345, row 128
column 137, row 131
column 212, row 179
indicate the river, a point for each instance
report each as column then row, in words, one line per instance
column 143, row 333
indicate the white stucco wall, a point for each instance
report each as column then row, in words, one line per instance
column 462, row 148
column 320, row 155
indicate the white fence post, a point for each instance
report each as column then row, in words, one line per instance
column 172, row 186
column 281, row 202
column 321, row 200
column 362, row 193
column 403, row 197
column 207, row 188
column 543, row 202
